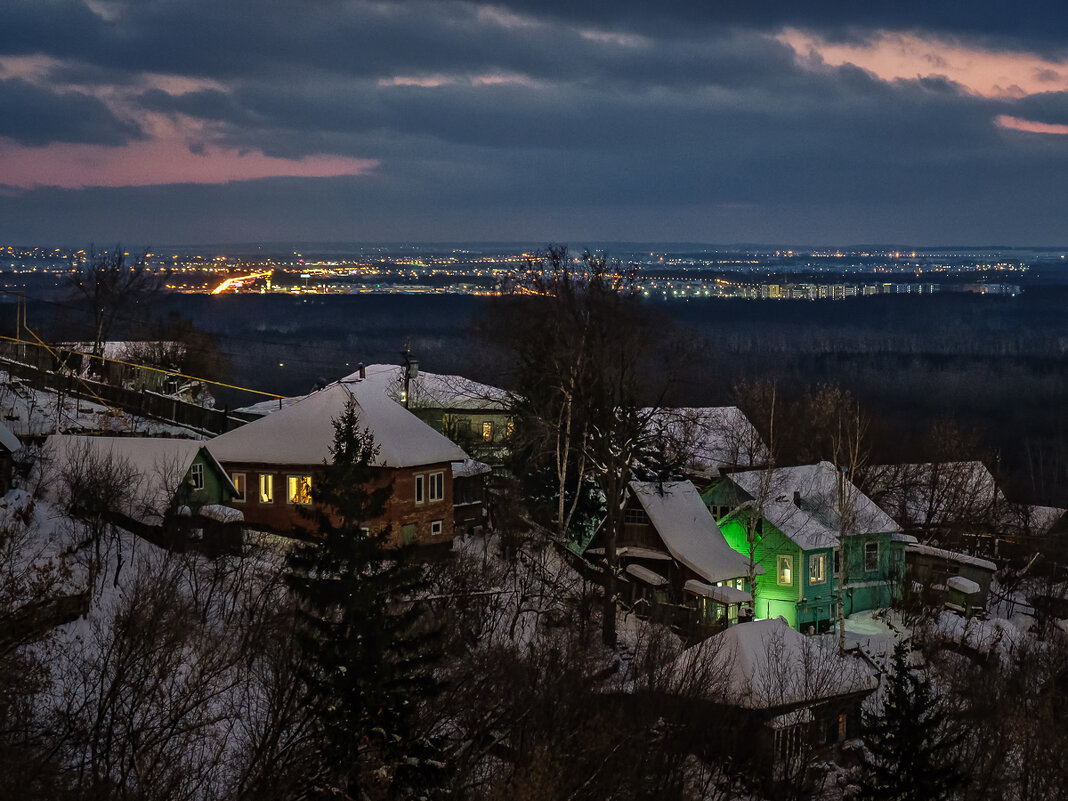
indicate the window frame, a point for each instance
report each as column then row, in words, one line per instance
column 437, row 480
column 487, row 431
column 817, row 560
column 419, row 491
column 871, row 549
column 196, row 475
column 242, row 491
column 788, row 559
column 292, row 491
column 266, row 481
column 440, row 524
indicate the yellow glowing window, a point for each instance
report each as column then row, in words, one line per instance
column 487, row 431
column 785, row 569
column 239, row 485
column 298, row 489
column 266, row 488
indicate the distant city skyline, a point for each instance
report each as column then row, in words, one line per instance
column 413, row 121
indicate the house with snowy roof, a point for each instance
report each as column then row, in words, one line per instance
column 948, row 504
column 708, row 440
column 776, row 695
column 959, row 580
column 671, row 552
column 474, row 415
column 274, row 461
column 802, row 520
column 151, row 483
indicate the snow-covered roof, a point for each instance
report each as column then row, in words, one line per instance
column 303, row 433
column 222, row 514
column 153, row 467
column 470, row 467
column 436, row 391
column 961, row 584
column 427, row 390
column 635, row 552
column 813, row 521
column 766, row 664
column 688, row 529
column 709, row 438
column 934, row 493
column 952, row 556
column 643, row 573
column 724, row 595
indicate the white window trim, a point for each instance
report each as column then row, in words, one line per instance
column 820, row 560
column 440, row 526
column 196, row 476
column 268, row 479
column 789, row 567
column 874, row 545
column 420, row 489
column 436, row 478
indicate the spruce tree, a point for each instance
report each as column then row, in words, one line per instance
column 910, row 750
column 368, row 657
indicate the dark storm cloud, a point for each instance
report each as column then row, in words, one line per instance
column 666, row 120
column 1049, row 107
column 1041, row 23
column 34, row 116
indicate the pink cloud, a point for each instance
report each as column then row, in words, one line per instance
column 157, row 161
column 425, row 81
column 1030, row 126
column 894, row 56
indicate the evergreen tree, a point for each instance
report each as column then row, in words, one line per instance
column 368, row 654
column 910, row 748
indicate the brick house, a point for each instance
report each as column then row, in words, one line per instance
column 275, row 461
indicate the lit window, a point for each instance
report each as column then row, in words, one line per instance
column 239, row 485
column 420, row 481
column 871, row 557
column 487, row 431
column 786, row 569
column 437, row 486
column 298, row 489
column 435, row 528
column 196, row 476
column 266, row 488
column 816, row 568
column 511, row 429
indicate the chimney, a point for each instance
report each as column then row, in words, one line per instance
column 797, row 499
column 363, row 371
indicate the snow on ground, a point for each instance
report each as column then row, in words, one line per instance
column 986, row 637
column 31, row 412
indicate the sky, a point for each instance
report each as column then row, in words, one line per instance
column 735, row 121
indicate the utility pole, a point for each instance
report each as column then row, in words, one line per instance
column 411, row 370
column 841, row 558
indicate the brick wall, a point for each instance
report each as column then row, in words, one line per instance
column 402, row 510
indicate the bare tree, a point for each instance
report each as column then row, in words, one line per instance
column 109, row 285
column 589, row 358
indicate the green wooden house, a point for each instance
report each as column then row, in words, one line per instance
column 793, row 514
column 152, row 481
